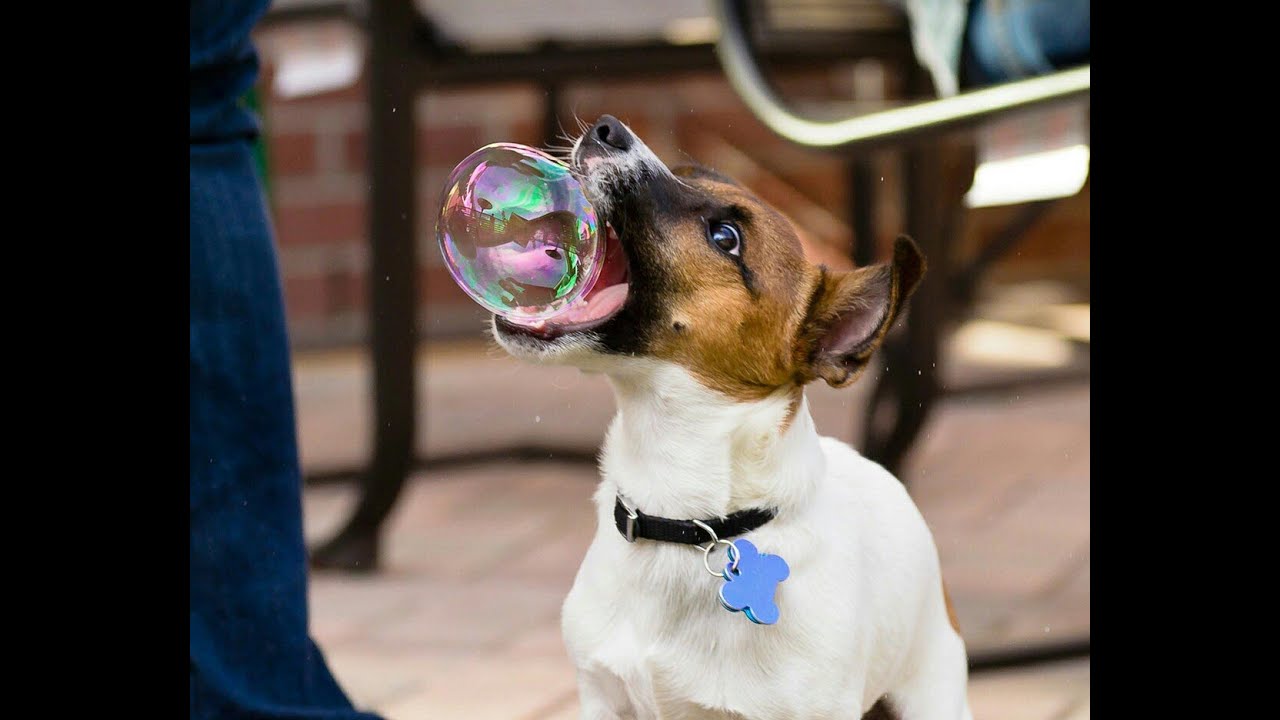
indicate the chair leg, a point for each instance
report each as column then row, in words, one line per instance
column 862, row 210
column 935, row 180
column 906, row 390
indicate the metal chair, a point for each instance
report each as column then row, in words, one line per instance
column 408, row 56
column 934, row 188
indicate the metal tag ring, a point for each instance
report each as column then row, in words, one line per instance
column 732, row 551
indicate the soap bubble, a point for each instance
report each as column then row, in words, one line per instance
column 517, row 233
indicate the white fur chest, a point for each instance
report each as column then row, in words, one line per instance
column 861, row 610
column 644, row 619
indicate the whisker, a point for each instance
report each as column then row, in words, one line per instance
column 562, row 135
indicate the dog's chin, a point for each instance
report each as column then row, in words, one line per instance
column 580, row 350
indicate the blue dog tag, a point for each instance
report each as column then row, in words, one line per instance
column 751, row 586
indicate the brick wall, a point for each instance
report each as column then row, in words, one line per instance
column 316, row 151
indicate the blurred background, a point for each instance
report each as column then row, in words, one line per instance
column 445, row 479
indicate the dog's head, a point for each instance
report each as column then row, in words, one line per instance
column 701, row 273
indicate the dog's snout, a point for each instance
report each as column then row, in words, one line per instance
column 609, row 131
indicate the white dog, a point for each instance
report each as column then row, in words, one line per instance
column 708, row 322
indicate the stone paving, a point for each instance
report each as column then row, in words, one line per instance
column 463, row 620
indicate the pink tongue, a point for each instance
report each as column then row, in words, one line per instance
column 599, row 304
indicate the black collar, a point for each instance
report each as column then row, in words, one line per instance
column 635, row 524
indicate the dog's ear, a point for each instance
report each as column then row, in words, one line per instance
column 851, row 312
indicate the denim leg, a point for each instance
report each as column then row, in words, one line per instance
column 251, row 654
column 1022, row 38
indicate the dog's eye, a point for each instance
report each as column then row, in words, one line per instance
column 726, row 237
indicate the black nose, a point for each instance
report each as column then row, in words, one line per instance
column 608, row 130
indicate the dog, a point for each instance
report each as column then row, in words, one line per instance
column 708, row 323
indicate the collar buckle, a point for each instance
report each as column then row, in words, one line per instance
column 632, row 516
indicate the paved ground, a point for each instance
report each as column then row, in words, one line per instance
column 463, row 622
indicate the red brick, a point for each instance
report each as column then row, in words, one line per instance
column 436, row 285
column 442, row 145
column 324, row 294
column 345, row 290
column 825, row 182
column 355, row 150
column 529, row 132
column 304, row 297
column 292, row 153
column 299, row 225
column 807, row 86
column 642, row 125
column 435, row 146
column 739, row 128
column 1062, row 236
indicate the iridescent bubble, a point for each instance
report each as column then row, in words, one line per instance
column 517, row 233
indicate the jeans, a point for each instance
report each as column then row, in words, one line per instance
column 1010, row 39
column 251, row 654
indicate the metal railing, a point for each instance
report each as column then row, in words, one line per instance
column 893, row 125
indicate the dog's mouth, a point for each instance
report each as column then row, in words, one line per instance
column 599, row 305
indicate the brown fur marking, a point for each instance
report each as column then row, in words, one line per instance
column 797, row 395
column 748, row 343
column 735, row 341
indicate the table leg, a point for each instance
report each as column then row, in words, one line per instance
column 393, row 282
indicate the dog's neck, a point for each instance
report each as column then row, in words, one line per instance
column 677, row 449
